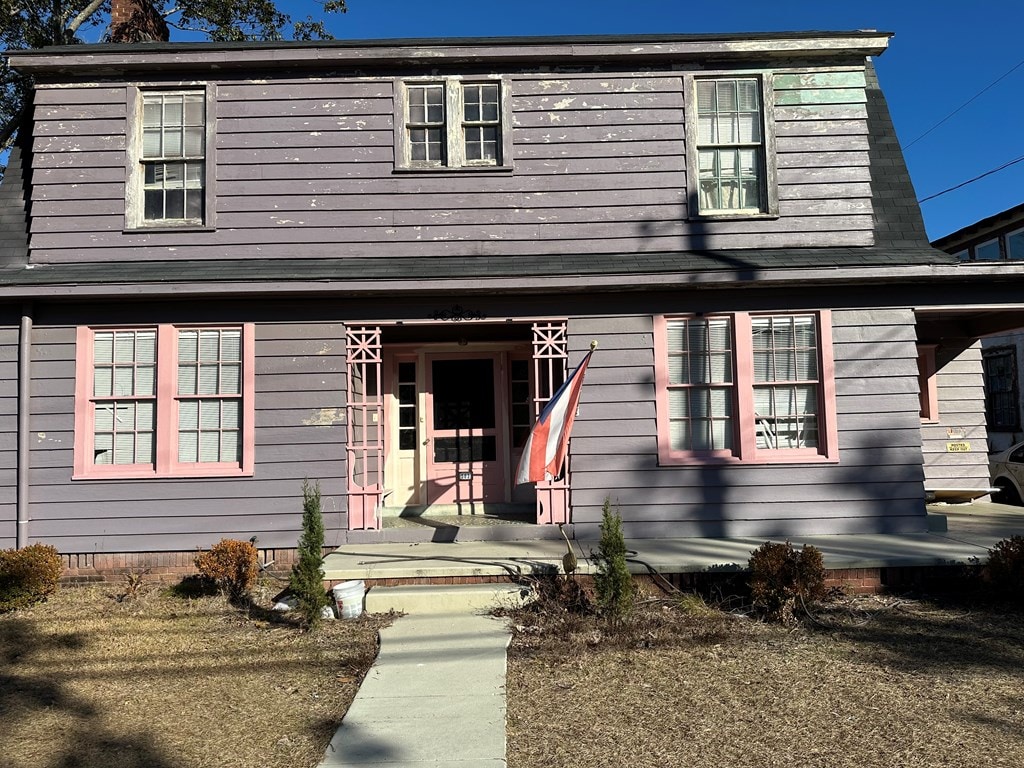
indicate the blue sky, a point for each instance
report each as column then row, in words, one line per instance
column 943, row 54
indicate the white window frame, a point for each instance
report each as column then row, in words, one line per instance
column 769, row 194
column 135, row 204
column 454, row 125
column 1019, row 233
column 992, row 241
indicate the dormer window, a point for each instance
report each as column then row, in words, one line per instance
column 170, row 164
column 729, row 153
column 452, row 123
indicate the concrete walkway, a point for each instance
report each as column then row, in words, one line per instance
column 435, row 697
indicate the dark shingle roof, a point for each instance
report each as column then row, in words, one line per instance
column 738, row 265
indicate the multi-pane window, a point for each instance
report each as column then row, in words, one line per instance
column 1002, row 402
column 164, row 401
column 700, row 384
column 123, row 401
column 785, row 381
column 730, row 145
column 481, row 123
column 452, row 124
column 407, row 406
column 426, row 123
column 173, row 156
column 747, row 387
column 209, row 395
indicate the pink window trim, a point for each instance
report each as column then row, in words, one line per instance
column 166, row 464
column 928, row 382
column 746, row 451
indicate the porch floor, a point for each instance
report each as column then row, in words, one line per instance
column 971, row 530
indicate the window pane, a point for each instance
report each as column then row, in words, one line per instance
column 231, row 380
column 208, row 379
column 188, row 447
column 987, row 251
column 1015, row 245
column 231, row 345
column 145, row 380
column 188, row 346
column 103, row 382
column 209, row 345
column 187, row 380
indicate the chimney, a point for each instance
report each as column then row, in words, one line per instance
column 137, row 21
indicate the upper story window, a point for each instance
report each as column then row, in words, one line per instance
column 169, row 159
column 988, row 251
column 452, row 123
column 164, row 401
column 730, row 147
column 745, row 387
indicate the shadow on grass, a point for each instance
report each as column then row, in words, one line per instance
column 26, row 696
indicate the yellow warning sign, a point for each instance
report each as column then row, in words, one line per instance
column 958, row 447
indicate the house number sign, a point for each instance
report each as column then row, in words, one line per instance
column 458, row 314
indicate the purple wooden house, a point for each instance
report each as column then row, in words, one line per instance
column 228, row 267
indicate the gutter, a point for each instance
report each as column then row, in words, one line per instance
column 24, row 410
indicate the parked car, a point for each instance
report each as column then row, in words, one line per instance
column 1007, row 472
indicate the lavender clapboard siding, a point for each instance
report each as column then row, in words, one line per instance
column 305, row 168
column 9, row 334
column 299, row 433
column 961, row 397
column 875, row 486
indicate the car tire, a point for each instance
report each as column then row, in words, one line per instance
column 1006, row 494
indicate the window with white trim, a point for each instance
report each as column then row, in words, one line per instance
column 745, row 387
column 453, row 123
column 731, row 150
column 164, row 401
column 169, row 158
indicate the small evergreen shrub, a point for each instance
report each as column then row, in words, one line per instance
column 1005, row 567
column 28, row 575
column 307, row 577
column 780, row 574
column 232, row 565
column 613, row 583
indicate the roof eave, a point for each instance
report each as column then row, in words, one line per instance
column 357, row 54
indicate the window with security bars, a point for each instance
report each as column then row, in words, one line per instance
column 730, row 145
column 452, row 124
column 745, row 387
column 123, row 402
column 209, row 395
column 700, row 384
column 164, row 401
column 785, row 381
column 173, row 156
column 1002, row 401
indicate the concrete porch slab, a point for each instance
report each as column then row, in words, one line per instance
column 971, row 530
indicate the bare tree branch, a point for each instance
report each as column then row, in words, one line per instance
column 86, row 12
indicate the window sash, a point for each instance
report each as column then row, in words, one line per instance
column 728, row 133
column 1002, row 402
column 172, row 157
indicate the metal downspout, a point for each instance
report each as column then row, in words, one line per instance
column 24, row 443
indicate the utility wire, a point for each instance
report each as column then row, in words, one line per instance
column 970, row 100
column 971, row 181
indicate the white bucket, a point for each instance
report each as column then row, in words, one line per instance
column 348, row 596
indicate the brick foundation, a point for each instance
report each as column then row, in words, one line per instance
column 155, row 566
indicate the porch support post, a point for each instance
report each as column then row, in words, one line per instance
column 550, row 358
column 364, row 406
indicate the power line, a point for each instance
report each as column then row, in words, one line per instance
column 970, row 100
column 971, row 181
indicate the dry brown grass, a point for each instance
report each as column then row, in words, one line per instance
column 158, row 681
column 873, row 683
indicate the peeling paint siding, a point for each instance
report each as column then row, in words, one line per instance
column 305, row 168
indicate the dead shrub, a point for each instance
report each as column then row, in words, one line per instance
column 1005, row 567
column 780, row 575
column 232, row 565
column 28, row 575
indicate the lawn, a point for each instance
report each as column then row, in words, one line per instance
column 869, row 683
column 165, row 682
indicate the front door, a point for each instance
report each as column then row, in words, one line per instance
column 466, row 441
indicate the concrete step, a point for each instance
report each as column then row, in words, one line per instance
column 444, row 598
